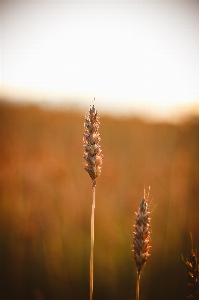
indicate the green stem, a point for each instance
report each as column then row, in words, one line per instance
column 138, row 286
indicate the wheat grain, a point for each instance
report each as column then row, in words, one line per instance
column 92, row 154
column 141, row 239
column 193, row 273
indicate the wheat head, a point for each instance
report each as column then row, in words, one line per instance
column 141, row 235
column 193, row 273
column 91, row 138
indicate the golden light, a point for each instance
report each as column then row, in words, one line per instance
column 139, row 57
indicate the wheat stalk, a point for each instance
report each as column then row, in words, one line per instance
column 193, row 273
column 141, row 239
column 93, row 157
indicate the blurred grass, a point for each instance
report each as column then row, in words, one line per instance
column 45, row 205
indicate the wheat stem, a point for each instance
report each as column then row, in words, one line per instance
column 92, row 244
column 138, row 286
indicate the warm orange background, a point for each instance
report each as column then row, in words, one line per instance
column 45, row 205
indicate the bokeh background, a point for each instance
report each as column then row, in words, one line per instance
column 140, row 61
column 46, row 205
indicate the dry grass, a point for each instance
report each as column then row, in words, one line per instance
column 93, row 165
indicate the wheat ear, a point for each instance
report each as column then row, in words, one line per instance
column 193, row 273
column 93, row 165
column 141, row 239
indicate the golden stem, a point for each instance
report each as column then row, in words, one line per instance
column 92, row 244
column 138, row 286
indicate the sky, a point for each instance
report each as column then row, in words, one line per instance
column 133, row 57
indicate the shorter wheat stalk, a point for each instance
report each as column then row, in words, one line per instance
column 93, row 158
column 193, row 273
column 141, row 239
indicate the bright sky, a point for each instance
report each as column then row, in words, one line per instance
column 132, row 56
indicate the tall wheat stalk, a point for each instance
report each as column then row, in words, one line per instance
column 141, row 239
column 93, row 165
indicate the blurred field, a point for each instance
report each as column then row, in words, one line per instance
column 45, row 205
